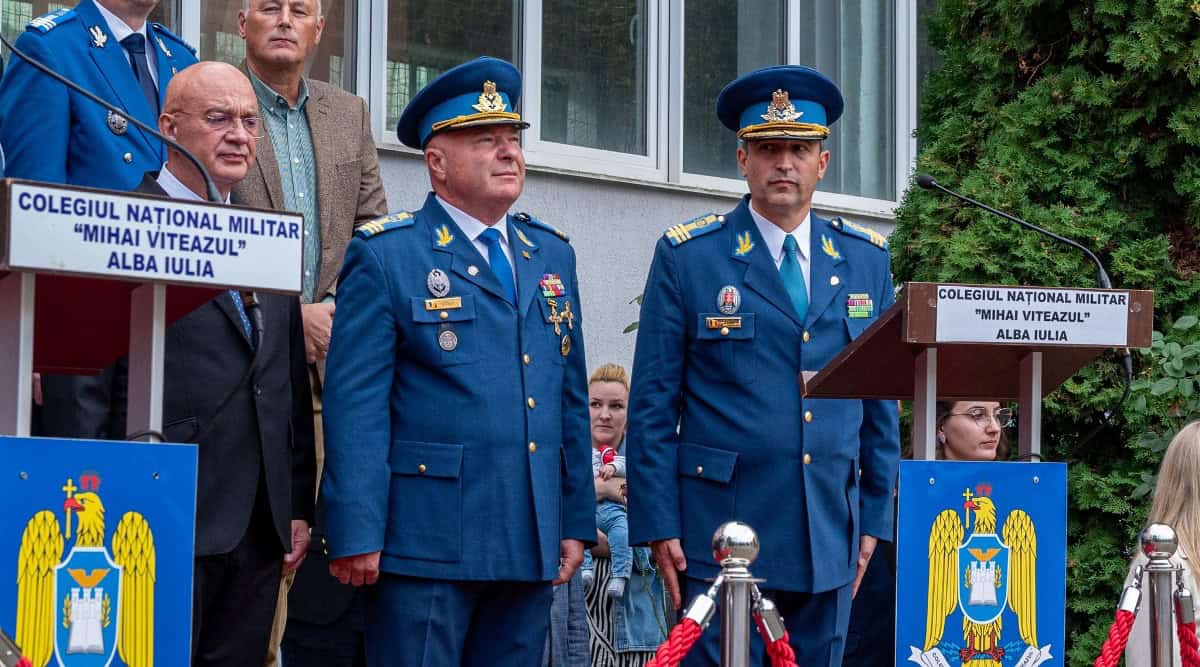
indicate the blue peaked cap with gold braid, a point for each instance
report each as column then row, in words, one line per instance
column 783, row 102
column 483, row 91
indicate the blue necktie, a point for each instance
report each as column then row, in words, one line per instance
column 793, row 276
column 499, row 263
column 135, row 44
column 236, row 296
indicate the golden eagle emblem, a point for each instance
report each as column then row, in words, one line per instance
column 781, row 109
column 444, row 237
column 489, row 100
column 745, row 244
column 93, row 603
column 983, row 576
column 827, row 246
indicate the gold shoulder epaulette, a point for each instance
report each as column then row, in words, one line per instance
column 386, row 223
column 681, row 233
column 858, row 231
column 534, row 222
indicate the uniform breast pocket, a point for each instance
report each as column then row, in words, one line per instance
column 856, row 325
column 725, row 347
column 445, row 329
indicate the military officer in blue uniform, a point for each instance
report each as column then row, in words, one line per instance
column 735, row 307
column 53, row 134
column 457, row 462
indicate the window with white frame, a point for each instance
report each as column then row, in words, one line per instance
column 219, row 39
column 593, row 74
column 428, row 37
column 721, row 41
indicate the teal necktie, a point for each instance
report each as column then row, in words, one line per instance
column 499, row 262
column 793, row 276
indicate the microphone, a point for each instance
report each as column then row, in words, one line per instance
column 927, row 182
column 254, row 312
column 213, row 194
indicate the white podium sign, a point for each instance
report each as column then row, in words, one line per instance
column 85, row 232
column 1032, row 316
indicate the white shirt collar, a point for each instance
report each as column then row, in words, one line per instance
column 175, row 187
column 773, row 236
column 119, row 28
column 471, row 226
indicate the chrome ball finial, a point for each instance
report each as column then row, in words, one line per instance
column 735, row 541
column 1159, row 541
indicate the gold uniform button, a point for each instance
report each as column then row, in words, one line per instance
column 805, row 337
column 526, row 358
column 421, row 468
column 444, row 315
column 724, row 331
column 807, row 459
column 699, row 470
column 532, row 447
column 808, row 415
column 128, row 157
column 531, row 403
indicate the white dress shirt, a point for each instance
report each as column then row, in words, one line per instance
column 120, row 30
column 773, row 236
column 473, row 228
column 175, row 188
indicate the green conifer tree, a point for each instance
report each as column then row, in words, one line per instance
column 1082, row 116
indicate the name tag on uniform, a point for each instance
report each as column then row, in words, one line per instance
column 723, row 322
column 449, row 303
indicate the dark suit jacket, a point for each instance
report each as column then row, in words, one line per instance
column 265, row 431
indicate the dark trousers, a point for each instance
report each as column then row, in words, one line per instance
column 337, row 644
column 234, row 594
column 429, row 623
column 816, row 625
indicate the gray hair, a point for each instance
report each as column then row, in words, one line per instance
column 246, row 7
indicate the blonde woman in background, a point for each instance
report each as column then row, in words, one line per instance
column 1177, row 504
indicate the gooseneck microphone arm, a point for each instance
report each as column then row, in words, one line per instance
column 927, row 182
column 213, row 194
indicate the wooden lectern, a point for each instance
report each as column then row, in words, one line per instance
column 112, row 270
column 959, row 342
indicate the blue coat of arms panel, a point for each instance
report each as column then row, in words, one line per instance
column 96, row 544
column 981, row 564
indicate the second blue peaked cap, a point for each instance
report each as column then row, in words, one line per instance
column 783, row 102
column 483, row 91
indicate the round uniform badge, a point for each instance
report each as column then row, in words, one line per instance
column 729, row 300
column 117, row 123
column 448, row 340
column 438, row 283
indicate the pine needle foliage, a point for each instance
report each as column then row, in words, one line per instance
column 1082, row 117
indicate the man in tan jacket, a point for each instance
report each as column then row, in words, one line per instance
column 317, row 158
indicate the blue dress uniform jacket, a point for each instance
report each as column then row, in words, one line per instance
column 53, row 134
column 457, row 439
column 718, row 430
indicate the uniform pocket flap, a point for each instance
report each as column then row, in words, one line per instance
column 426, row 458
column 715, row 326
column 714, row 465
column 444, row 309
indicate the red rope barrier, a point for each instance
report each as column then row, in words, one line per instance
column 781, row 652
column 683, row 636
column 1188, row 644
column 1118, row 637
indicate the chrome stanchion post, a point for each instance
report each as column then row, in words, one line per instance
column 735, row 546
column 1159, row 544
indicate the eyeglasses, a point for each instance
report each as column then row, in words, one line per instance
column 223, row 122
column 1003, row 417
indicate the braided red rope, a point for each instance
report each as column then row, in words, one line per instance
column 781, row 652
column 683, row 636
column 24, row 662
column 1188, row 644
column 1118, row 637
